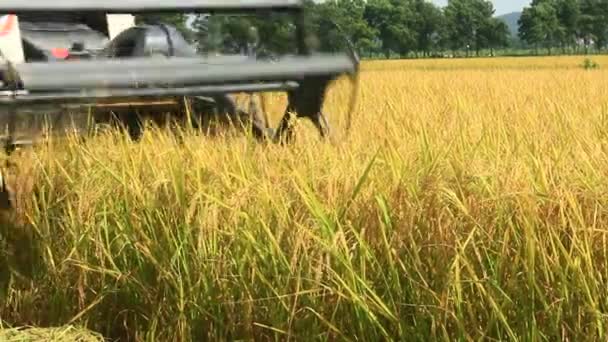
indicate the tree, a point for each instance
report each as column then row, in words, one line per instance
column 335, row 23
column 529, row 28
column 395, row 21
column 539, row 24
column 594, row 22
column 496, row 33
column 586, row 23
column 428, row 25
column 245, row 34
column 468, row 23
column 568, row 15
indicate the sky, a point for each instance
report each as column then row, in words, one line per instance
column 501, row 6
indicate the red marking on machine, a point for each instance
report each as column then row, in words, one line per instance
column 60, row 53
column 7, row 22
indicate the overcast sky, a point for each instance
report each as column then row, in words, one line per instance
column 501, row 6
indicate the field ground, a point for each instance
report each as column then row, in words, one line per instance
column 468, row 202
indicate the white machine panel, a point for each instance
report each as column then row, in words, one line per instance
column 118, row 23
column 10, row 39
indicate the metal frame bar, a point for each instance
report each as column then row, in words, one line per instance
column 145, row 6
column 83, row 97
column 141, row 72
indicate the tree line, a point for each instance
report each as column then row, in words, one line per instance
column 410, row 28
column 381, row 28
column 565, row 24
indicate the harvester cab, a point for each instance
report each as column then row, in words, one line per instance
column 57, row 56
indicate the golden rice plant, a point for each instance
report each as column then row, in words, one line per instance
column 468, row 202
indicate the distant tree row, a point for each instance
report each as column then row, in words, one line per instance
column 402, row 28
column 405, row 27
column 375, row 27
column 565, row 24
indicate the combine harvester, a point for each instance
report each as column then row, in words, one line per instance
column 65, row 55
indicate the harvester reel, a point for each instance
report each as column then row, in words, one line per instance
column 312, row 107
column 310, row 103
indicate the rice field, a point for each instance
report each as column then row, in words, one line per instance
column 468, row 202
